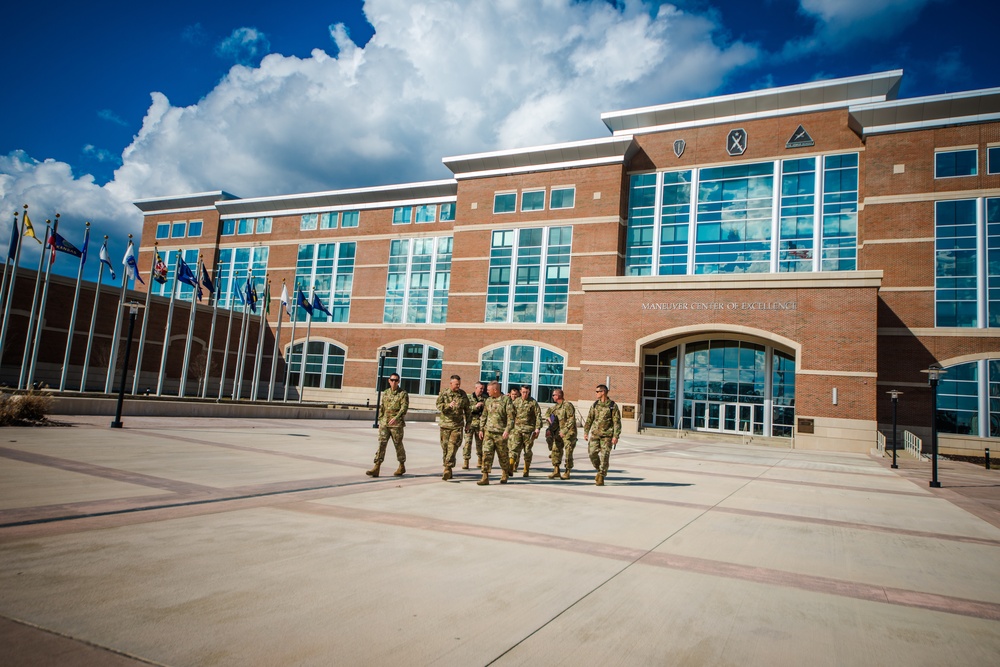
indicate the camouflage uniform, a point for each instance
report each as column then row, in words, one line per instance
column 606, row 419
column 527, row 420
column 472, row 430
column 498, row 416
column 452, row 422
column 561, row 434
column 394, row 404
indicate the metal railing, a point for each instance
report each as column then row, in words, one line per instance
column 913, row 446
column 880, row 443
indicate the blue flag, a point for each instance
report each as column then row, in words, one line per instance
column 318, row 305
column 206, row 280
column 303, row 304
column 185, row 274
column 86, row 242
column 12, row 248
column 59, row 243
column 251, row 295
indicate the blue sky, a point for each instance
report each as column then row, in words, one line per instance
column 116, row 101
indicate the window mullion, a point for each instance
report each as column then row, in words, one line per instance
column 430, row 282
column 818, row 216
column 982, row 276
column 983, row 377
column 692, row 220
column 512, row 286
column 406, row 284
column 776, row 191
column 543, row 262
column 654, row 270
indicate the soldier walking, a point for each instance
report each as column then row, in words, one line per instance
column 497, row 420
column 478, row 401
column 560, row 435
column 453, row 403
column 604, row 422
column 392, row 409
column 527, row 424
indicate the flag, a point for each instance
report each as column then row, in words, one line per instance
column 159, row 272
column 29, row 230
column 303, row 304
column 59, row 243
column 206, row 280
column 318, row 305
column 185, row 274
column 105, row 259
column 251, row 295
column 284, row 299
column 12, row 248
column 86, row 242
column 131, row 268
column 267, row 298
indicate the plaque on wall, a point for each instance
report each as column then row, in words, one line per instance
column 806, row 426
column 679, row 146
column 736, row 142
column 799, row 139
column 628, row 412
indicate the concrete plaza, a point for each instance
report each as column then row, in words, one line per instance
column 262, row 542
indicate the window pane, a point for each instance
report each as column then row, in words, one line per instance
column 328, row 220
column 177, row 230
column 402, row 215
column 309, row 221
column 533, row 201
column 194, row 228
column 163, row 230
column 349, row 219
column 447, row 212
column 427, row 213
column 948, row 164
column 562, row 198
column 505, row 203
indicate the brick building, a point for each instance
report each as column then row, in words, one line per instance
column 770, row 262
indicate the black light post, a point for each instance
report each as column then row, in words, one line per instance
column 133, row 309
column 382, row 352
column 934, row 373
column 895, row 394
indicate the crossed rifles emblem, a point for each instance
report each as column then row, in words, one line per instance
column 736, row 142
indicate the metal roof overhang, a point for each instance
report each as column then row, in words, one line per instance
column 974, row 106
column 608, row 150
column 197, row 200
column 332, row 199
column 806, row 97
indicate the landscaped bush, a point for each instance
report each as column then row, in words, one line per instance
column 24, row 409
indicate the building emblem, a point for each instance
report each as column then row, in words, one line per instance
column 736, row 142
column 799, row 139
column 679, row 147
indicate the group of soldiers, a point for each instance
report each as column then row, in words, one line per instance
column 504, row 425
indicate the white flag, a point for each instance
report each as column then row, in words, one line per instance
column 105, row 259
column 284, row 299
column 131, row 268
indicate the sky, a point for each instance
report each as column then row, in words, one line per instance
column 112, row 102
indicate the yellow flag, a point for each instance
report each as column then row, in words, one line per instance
column 28, row 229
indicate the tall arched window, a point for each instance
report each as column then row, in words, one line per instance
column 419, row 367
column 538, row 367
column 324, row 365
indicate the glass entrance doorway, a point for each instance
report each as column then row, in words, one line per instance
column 725, row 386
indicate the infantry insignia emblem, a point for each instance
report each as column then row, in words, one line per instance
column 736, row 142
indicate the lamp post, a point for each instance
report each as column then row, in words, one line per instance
column 894, row 394
column 133, row 310
column 382, row 352
column 934, row 373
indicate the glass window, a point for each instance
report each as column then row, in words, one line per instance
column 178, row 230
column 958, row 400
column 309, row 221
column 194, row 228
column 427, row 213
column 231, row 274
column 540, row 368
column 528, row 279
column 419, row 368
column 733, row 224
column 324, row 364
column 641, row 220
column 798, row 215
column 562, row 198
column 448, row 212
column 328, row 220
column 840, row 213
column 533, row 200
column 244, row 226
column 349, row 219
column 418, row 280
column 955, row 283
column 326, row 270
column 264, row 225
column 505, row 202
column 402, row 215
column 675, row 221
column 948, row 164
column 993, row 160
column 228, row 227
column 163, row 230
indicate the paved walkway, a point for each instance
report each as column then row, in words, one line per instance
column 262, row 542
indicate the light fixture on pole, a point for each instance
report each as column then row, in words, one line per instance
column 894, row 394
column 133, row 310
column 382, row 352
column 934, row 373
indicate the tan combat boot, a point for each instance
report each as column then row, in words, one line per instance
column 447, row 474
column 565, row 474
column 484, row 481
column 527, row 468
column 599, row 479
column 374, row 471
column 400, row 470
column 503, row 476
column 555, row 473
column 513, row 465
column 465, row 464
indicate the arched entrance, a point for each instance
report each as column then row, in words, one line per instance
column 719, row 384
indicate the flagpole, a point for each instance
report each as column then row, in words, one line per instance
column 305, row 352
column 211, row 334
column 225, row 355
column 118, row 323
column 72, row 318
column 26, row 358
column 93, row 322
column 187, row 344
column 166, row 332
column 51, row 241
column 8, row 308
column 16, row 237
column 238, row 375
column 255, row 386
column 145, row 321
column 277, row 337
column 291, row 347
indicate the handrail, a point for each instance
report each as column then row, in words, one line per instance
column 914, row 446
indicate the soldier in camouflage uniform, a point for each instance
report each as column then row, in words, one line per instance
column 453, row 403
column 497, row 420
column 392, row 409
column 527, row 424
column 478, row 401
column 560, row 435
column 606, row 420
